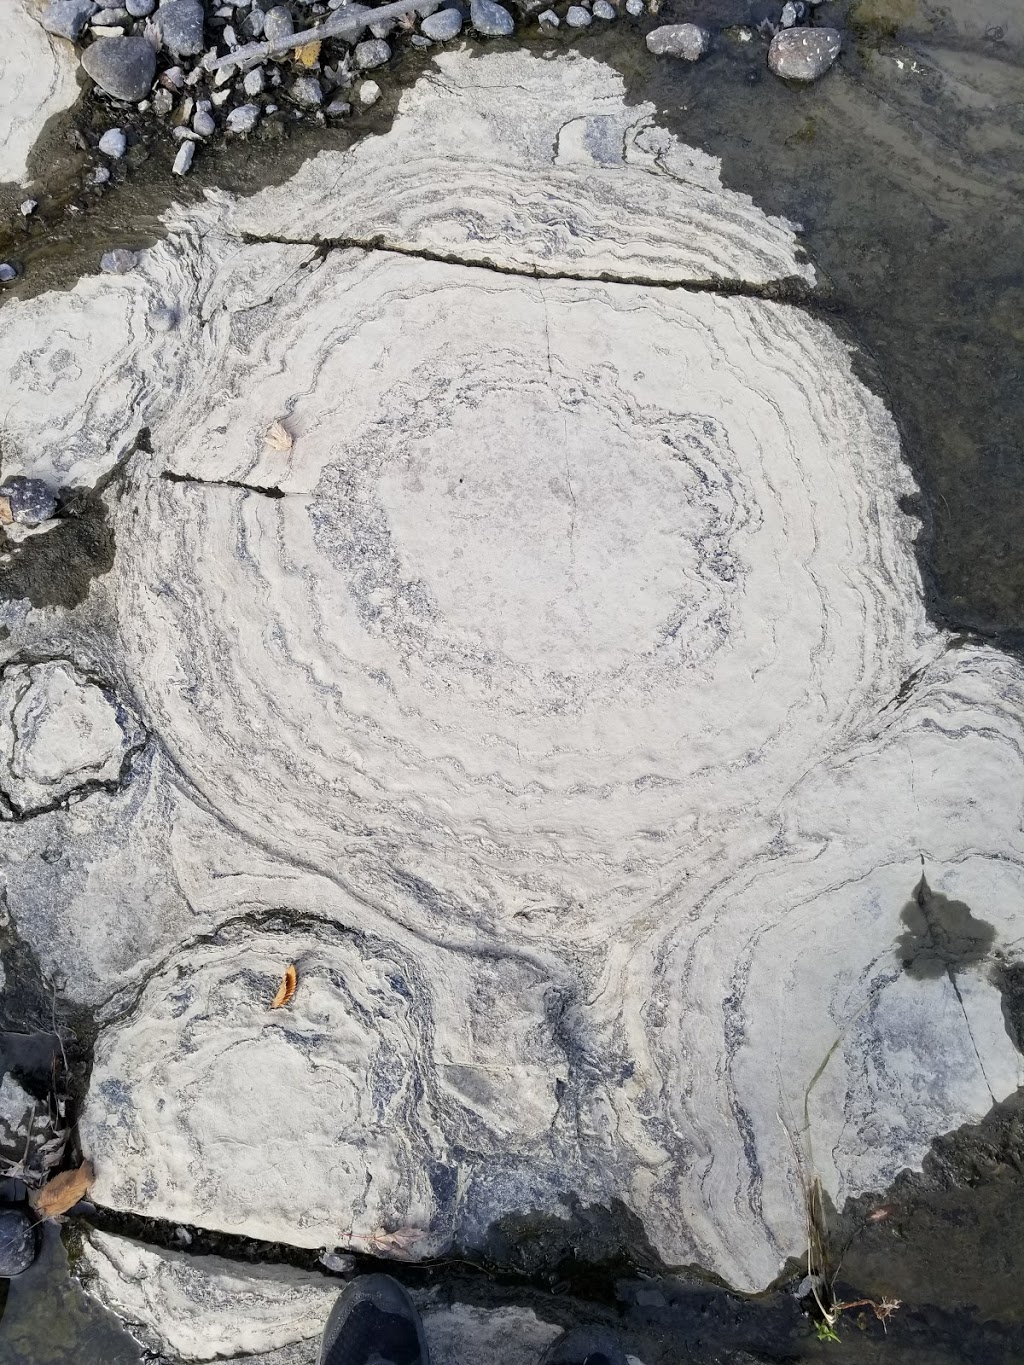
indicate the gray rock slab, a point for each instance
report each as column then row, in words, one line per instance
column 688, row 41
column 491, row 19
column 123, row 67
column 804, row 54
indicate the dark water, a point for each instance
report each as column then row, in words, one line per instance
column 905, row 168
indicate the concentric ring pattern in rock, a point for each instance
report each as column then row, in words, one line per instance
column 518, row 621
column 333, row 1118
column 563, row 651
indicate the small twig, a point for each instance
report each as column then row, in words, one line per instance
column 348, row 23
column 56, row 1030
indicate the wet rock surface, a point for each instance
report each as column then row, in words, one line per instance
column 17, row 1242
column 800, row 54
column 688, row 41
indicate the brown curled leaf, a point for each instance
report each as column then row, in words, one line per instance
column 287, row 987
column 6, row 515
column 63, row 1191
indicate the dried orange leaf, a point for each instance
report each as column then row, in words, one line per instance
column 63, row 1192
column 278, row 437
column 308, row 54
column 287, row 987
column 6, row 515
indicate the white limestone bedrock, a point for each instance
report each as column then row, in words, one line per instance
column 202, row 1308
column 37, row 80
column 534, row 165
column 550, row 810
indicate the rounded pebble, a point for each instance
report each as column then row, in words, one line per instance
column 139, row 9
column 490, row 19
column 162, row 318
column 803, row 54
column 113, row 143
column 254, row 81
column 369, row 93
column 17, row 1242
column 602, row 10
column 442, row 26
column 122, row 67
column 278, row 24
column 203, row 123
column 372, row 53
column 28, row 206
column 118, row 262
column 688, row 41
column 243, row 119
column 8, row 272
column 549, row 17
column 578, row 17
column 338, row 107
column 634, row 7
column 306, row 91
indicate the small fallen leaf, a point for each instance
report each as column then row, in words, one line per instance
column 398, row 1244
column 278, row 437
column 63, row 1192
column 6, row 515
column 308, row 54
column 286, row 989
